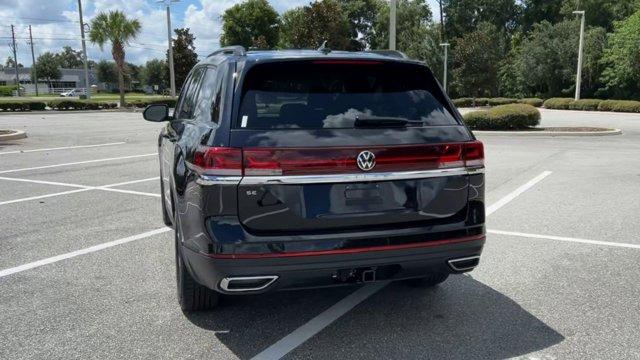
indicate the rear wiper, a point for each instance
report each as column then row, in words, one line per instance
column 384, row 122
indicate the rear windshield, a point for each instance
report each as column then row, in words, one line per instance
column 335, row 94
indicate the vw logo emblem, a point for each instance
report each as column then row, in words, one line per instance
column 366, row 160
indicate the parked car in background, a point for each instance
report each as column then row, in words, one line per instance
column 295, row 169
column 69, row 93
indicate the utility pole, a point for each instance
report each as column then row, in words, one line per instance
column 446, row 63
column 580, row 48
column 392, row 25
column 15, row 57
column 84, row 53
column 33, row 61
column 172, row 76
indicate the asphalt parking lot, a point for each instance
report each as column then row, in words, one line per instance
column 87, row 267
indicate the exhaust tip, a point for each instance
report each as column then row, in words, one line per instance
column 247, row 283
column 465, row 263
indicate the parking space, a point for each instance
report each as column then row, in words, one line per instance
column 88, row 271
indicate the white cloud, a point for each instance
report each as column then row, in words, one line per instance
column 55, row 24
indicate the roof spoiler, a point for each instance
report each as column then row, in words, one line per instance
column 235, row 50
column 390, row 53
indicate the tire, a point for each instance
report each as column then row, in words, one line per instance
column 191, row 295
column 165, row 216
column 428, row 281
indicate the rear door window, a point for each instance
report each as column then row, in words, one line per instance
column 189, row 96
column 337, row 93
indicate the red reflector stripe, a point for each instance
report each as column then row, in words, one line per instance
column 347, row 62
column 348, row 251
column 315, row 161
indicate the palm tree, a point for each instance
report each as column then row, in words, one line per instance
column 117, row 29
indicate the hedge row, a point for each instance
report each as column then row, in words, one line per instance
column 470, row 102
column 18, row 105
column 80, row 105
column 74, row 104
column 592, row 104
column 504, row 117
column 141, row 103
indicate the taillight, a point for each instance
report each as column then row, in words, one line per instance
column 218, row 161
column 317, row 161
column 474, row 154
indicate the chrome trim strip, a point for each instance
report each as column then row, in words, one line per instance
column 363, row 177
column 218, row 180
column 452, row 261
column 224, row 283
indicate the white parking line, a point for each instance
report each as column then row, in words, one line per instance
column 84, row 251
column 315, row 325
column 568, row 239
column 61, row 148
column 77, row 163
column 43, row 196
column 81, row 188
column 515, row 193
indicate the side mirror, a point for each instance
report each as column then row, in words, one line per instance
column 156, row 113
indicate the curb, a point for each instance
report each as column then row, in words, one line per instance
column 15, row 135
column 551, row 133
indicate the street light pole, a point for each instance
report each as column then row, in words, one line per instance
column 84, row 54
column 33, row 61
column 172, row 77
column 446, row 63
column 392, row 25
column 580, row 49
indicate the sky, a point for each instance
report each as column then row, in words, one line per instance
column 55, row 24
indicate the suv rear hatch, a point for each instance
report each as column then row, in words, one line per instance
column 338, row 144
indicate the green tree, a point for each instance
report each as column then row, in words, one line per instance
column 184, row 55
column 621, row 59
column 114, row 27
column 416, row 35
column 544, row 63
column 309, row 26
column 476, row 62
column 69, row 58
column 48, row 67
column 601, row 13
column 253, row 23
column 107, row 72
column 154, row 72
column 361, row 15
column 535, row 11
column 10, row 63
column 464, row 16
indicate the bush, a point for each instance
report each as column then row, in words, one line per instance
column 21, row 105
column 470, row 102
column 585, row 104
column 620, row 105
column 64, row 104
column 142, row 103
column 504, row 117
column 7, row 90
column 531, row 101
column 558, row 103
column 463, row 102
column 501, row 101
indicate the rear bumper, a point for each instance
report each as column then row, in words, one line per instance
column 320, row 270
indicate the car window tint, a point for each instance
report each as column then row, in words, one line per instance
column 210, row 93
column 190, row 96
column 334, row 94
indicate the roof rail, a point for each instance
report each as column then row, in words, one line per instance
column 235, row 50
column 391, row 53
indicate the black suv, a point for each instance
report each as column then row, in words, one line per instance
column 296, row 169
